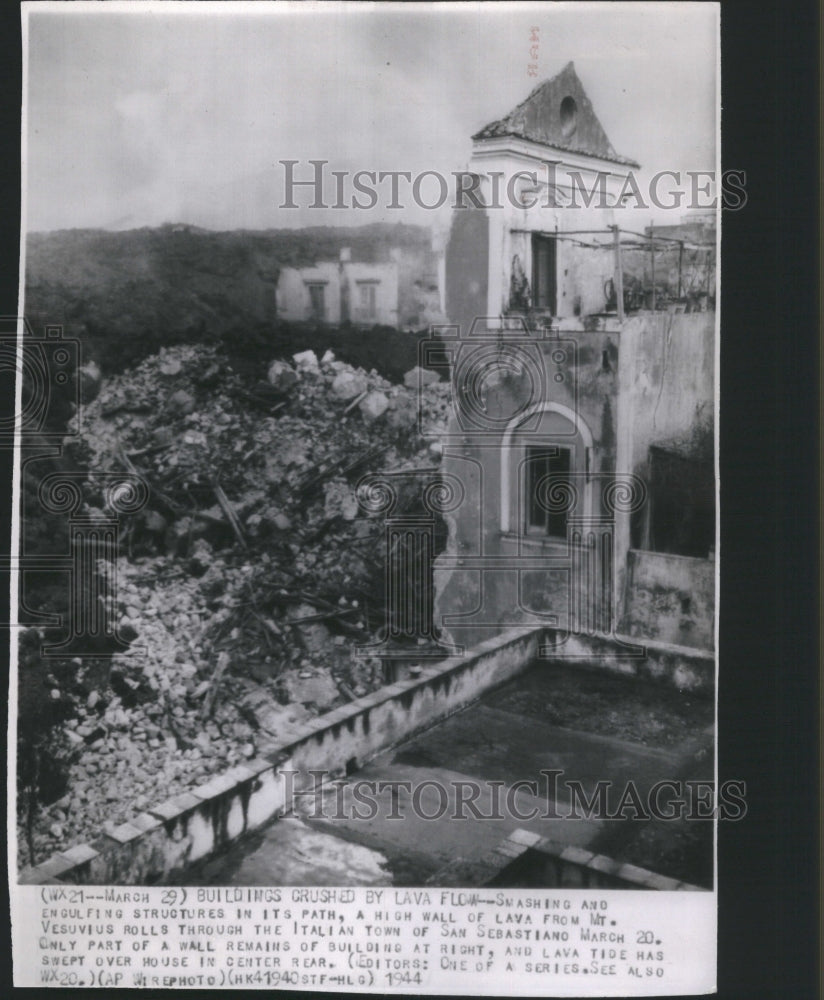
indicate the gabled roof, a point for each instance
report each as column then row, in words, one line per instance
column 540, row 119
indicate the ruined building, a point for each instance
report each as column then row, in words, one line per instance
column 402, row 291
column 580, row 459
column 340, row 292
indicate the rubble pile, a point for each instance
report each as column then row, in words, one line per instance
column 246, row 582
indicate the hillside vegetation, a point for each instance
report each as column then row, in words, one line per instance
column 126, row 294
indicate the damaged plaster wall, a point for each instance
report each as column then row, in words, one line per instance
column 467, row 263
column 667, row 378
column 341, row 282
column 527, row 200
column 293, row 294
column 626, row 389
column 491, row 573
column 384, row 279
column 671, row 598
column 580, row 271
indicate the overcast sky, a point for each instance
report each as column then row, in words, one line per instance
column 157, row 113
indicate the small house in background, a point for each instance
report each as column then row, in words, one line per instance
column 344, row 291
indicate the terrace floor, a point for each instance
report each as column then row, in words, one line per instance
column 480, row 772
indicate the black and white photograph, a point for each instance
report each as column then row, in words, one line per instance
column 367, row 541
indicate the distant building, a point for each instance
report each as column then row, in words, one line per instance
column 345, row 291
column 685, row 256
column 695, row 227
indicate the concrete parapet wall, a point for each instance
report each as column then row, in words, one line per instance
column 546, row 864
column 684, row 667
column 162, row 842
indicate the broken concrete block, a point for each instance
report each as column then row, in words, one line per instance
column 403, row 412
column 347, row 385
column 418, row 376
column 281, row 375
column 328, row 358
column 170, row 366
column 182, row 402
column 163, row 435
column 317, row 688
column 306, row 361
column 315, row 635
column 373, row 405
column 275, row 719
column 339, row 500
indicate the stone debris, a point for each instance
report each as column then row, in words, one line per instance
column 170, row 366
column 281, row 375
column 182, row 402
column 373, row 405
column 417, row 377
column 402, row 413
column 339, row 500
column 307, row 361
column 245, row 584
column 312, row 688
column 347, row 385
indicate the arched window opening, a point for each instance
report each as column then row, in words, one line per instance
column 545, row 472
column 569, row 116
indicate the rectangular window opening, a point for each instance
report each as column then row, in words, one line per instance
column 544, row 272
column 548, row 490
column 367, row 299
column 317, row 302
column 682, row 504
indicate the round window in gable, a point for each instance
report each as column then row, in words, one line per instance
column 569, row 116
